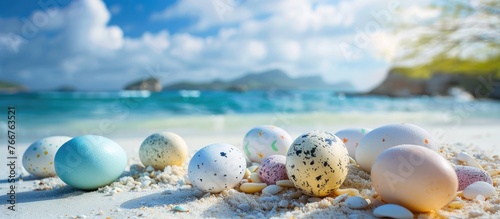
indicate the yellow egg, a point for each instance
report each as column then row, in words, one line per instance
column 317, row 163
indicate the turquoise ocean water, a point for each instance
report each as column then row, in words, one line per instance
column 127, row 112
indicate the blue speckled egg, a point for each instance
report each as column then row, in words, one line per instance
column 216, row 167
column 89, row 162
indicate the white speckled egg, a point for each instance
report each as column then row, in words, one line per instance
column 90, row 161
column 163, row 149
column 216, row 167
column 264, row 141
column 384, row 137
column 351, row 138
column 317, row 163
column 415, row 177
column 38, row 159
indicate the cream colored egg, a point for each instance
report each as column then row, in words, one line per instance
column 38, row 159
column 384, row 137
column 351, row 138
column 317, row 163
column 415, row 177
column 163, row 149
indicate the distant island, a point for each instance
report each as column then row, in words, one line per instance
column 150, row 84
column 10, row 87
column 267, row 80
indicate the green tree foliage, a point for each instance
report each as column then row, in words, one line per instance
column 464, row 39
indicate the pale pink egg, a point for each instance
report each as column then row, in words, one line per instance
column 272, row 169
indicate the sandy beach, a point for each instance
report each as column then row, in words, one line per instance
column 128, row 198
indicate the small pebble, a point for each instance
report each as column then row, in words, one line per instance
column 179, row 208
column 285, row 183
column 150, row 169
column 283, row 204
column 81, row 216
column 244, row 207
column 314, row 199
column 272, row 190
column 356, row 202
column 456, row 204
column 478, row 188
column 393, row 211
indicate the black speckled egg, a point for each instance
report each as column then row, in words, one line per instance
column 317, row 163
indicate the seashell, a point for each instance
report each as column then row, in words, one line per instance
column 468, row 175
column 247, row 174
column 179, row 208
column 468, row 159
column 478, row 188
column 252, row 187
column 349, row 191
column 356, row 202
column 254, row 168
column 285, row 183
column 456, row 204
column 272, row 190
column 392, row 211
column 255, row 178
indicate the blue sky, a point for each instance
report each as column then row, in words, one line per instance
column 102, row 45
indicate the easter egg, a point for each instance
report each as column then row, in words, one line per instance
column 88, row 162
column 467, row 175
column 163, row 149
column 38, row 159
column 264, row 141
column 317, row 163
column 351, row 138
column 384, row 137
column 415, row 177
column 272, row 169
column 216, row 167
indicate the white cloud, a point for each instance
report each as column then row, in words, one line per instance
column 299, row 36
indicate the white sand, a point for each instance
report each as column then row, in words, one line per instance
column 157, row 201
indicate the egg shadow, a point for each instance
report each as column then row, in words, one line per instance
column 35, row 196
column 178, row 197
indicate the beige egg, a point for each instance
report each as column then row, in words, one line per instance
column 163, row 149
column 384, row 137
column 317, row 163
column 415, row 177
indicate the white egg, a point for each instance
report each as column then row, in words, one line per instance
column 317, row 163
column 415, row 177
column 351, row 138
column 384, row 137
column 263, row 141
column 216, row 167
column 38, row 159
column 163, row 149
